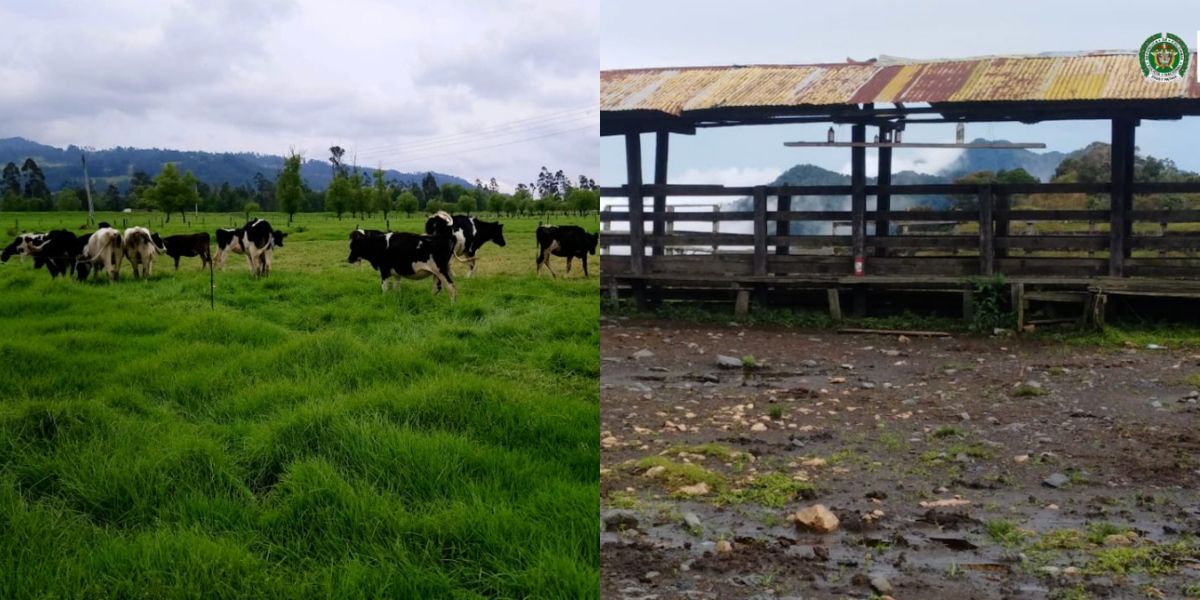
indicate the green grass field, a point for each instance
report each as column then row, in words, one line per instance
column 310, row 437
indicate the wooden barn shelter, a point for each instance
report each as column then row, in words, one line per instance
column 888, row 95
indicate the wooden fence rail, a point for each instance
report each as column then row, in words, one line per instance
column 949, row 242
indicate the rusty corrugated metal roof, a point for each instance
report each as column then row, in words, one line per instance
column 1105, row 75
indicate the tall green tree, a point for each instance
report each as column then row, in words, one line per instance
column 408, row 203
column 338, row 194
column 289, row 187
column 429, row 189
column 172, row 192
column 382, row 197
column 11, row 183
column 35, row 180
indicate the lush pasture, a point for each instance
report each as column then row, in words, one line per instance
column 310, row 437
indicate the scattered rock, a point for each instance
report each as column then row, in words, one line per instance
column 867, row 385
column 758, row 427
column 880, row 584
column 723, row 547
column 1056, row 480
column 620, row 520
column 903, row 339
column 1021, row 458
column 945, row 503
column 699, row 489
column 1156, row 404
column 641, row 354
column 609, row 442
column 649, row 576
column 692, row 520
column 728, row 362
column 817, row 518
column 820, row 553
column 710, row 378
column 654, row 471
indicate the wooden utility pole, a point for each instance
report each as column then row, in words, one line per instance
column 87, row 188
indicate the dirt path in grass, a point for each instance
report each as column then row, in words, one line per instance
column 936, row 455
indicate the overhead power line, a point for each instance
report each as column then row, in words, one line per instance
column 412, row 159
column 491, row 130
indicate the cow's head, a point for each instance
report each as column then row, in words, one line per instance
column 593, row 241
column 13, row 248
column 159, row 244
column 103, row 225
column 497, row 233
column 278, row 235
column 363, row 247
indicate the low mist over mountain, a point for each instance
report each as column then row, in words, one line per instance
column 117, row 165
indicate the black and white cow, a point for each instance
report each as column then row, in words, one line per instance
column 409, row 255
column 189, row 245
column 569, row 241
column 255, row 239
column 103, row 251
column 469, row 235
column 22, row 245
column 57, row 251
column 139, row 246
column 228, row 240
column 357, row 233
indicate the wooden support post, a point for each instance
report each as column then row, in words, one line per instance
column 1121, row 198
column 968, row 303
column 883, row 200
column 783, row 226
column 987, row 246
column 858, row 198
column 742, row 305
column 760, row 241
column 637, row 230
column 1018, row 304
column 661, row 147
column 1001, row 202
column 716, row 227
column 835, row 303
column 760, row 230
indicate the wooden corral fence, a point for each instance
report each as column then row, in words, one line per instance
column 1086, row 250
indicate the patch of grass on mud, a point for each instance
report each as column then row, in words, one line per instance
column 676, row 474
column 782, row 317
column 1137, row 335
column 1061, row 539
column 1004, row 532
column 1028, row 391
column 773, row 490
column 711, row 449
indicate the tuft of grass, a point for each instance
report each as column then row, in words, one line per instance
column 1061, row 539
column 677, row 474
column 1004, row 532
column 773, row 490
column 1192, row 380
column 775, row 412
column 713, row 449
column 1027, row 391
column 1096, row 532
column 946, row 431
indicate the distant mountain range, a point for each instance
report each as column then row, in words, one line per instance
column 62, row 167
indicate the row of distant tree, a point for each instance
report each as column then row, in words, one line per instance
column 1092, row 165
column 352, row 192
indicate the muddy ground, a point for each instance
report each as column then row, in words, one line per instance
column 937, row 456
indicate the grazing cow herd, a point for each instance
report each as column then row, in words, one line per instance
column 393, row 254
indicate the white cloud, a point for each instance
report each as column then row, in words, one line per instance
column 460, row 87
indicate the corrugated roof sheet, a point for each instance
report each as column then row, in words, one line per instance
column 1105, row 75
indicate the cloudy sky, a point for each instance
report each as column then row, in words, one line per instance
column 474, row 88
column 708, row 32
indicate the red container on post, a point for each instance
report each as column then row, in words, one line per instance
column 858, row 266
